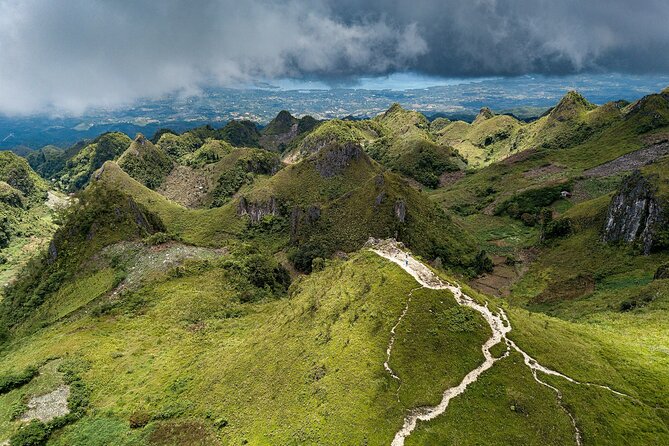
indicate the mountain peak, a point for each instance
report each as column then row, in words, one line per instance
column 140, row 143
column 571, row 105
column 484, row 114
column 284, row 115
column 140, row 139
column 282, row 123
column 396, row 107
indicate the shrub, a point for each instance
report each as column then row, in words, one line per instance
column 635, row 302
column 72, row 368
column 557, row 228
column 305, row 254
column 18, row 408
column 139, row 419
column 531, row 201
column 265, row 272
column 4, row 231
column 13, row 381
column 528, row 219
column 159, row 238
column 34, row 433
column 662, row 272
column 483, row 263
column 318, row 264
column 220, row 423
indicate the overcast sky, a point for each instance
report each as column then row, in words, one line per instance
column 73, row 54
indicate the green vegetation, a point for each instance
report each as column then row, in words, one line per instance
column 176, row 146
column 17, row 174
column 253, row 316
column 333, row 329
column 78, row 168
column 488, row 139
column 145, row 162
column 453, row 335
column 12, row 381
column 47, row 161
column 246, row 166
column 505, row 406
column 100, row 218
column 406, row 146
column 526, row 205
column 341, row 184
column 240, row 134
column 25, row 220
column 285, row 131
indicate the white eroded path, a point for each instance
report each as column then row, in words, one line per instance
column 499, row 324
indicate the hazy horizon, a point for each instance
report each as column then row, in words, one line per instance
column 82, row 55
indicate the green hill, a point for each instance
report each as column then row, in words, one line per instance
column 339, row 197
column 406, row 146
column 235, row 300
column 25, row 218
column 145, row 162
column 488, row 139
column 398, row 139
column 80, row 165
column 240, row 133
column 214, row 173
column 284, row 130
column 47, row 161
column 16, row 173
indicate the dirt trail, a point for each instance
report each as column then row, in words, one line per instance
column 391, row 343
column 499, row 324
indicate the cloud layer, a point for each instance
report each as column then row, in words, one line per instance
column 87, row 53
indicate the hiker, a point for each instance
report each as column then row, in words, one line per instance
column 406, row 260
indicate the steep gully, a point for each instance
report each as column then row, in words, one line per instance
column 498, row 322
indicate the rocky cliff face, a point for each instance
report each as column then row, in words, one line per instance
column 333, row 160
column 303, row 217
column 257, row 210
column 635, row 215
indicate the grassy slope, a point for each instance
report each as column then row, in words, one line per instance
column 595, row 339
column 203, row 227
column 334, row 131
column 33, row 229
column 84, row 161
column 145, row 162
column 359, row 202
column 483, row 142
column 308, row 369
column 506, row 406
column 544, row 166
column 30, row 221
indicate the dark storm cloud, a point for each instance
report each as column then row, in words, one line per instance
column 71, row 55
column 508, row 37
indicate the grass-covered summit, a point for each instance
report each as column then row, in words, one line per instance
column 145, row 162
column 17, row 175
column 282, row 132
